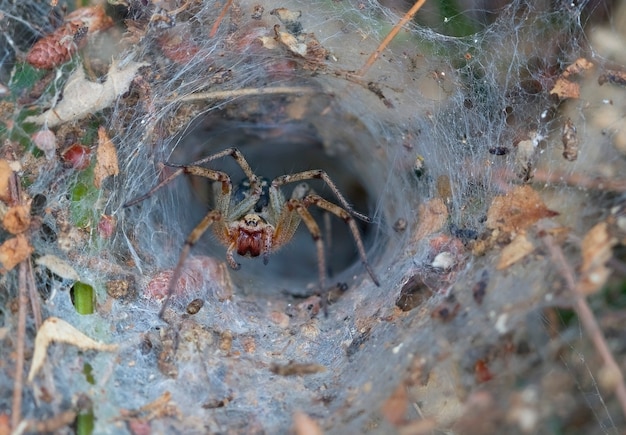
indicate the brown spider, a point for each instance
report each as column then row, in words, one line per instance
column 257, row 219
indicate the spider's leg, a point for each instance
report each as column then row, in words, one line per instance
column 163, row 183
column 223, row 200
column 294, row 211
column 230, row 257
column 345, row 216
column 320, row 174
column 194, row 236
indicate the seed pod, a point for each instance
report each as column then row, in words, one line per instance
column 58, row 47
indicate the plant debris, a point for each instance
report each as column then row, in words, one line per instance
column 55, row 330
column 82, row 97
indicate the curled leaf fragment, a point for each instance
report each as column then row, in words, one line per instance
column 14, row 251
column 106, row 159
column 57, row 266
column 55, row 330
column 82, row 97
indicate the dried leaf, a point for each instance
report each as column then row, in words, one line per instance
column 94, row 18
column 570, row 141
column 106, row 159
column 579, row 66
column 517, row 210
column 291, row 42
column 305, row 425
column 596, row 252
column 58, row 267
column 82, row 97
column 564, row 87
column 59, row 331
column 13, row 252
column 433, row 215
column 5, row 178
column 177, row 44
column 17, row 219
column 394, row 408
column 519, row 248
column 46, row 141
column 615, row 77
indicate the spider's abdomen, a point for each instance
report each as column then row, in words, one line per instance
column 242, row 191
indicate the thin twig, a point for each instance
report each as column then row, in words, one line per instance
column 588, row 320
column 33, row 294
column 217, row 23
column 405, row 19
column 244, row 92
column 18, row 383
column 580, row 180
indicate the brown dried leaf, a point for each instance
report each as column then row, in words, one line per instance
column 177, row 44
column 17, row 219
column 596, row 251
column 5, row 179
column 305, row 425
column 615, row 77
column 579, row 66
column 564, row 88
column 394, row 408
column 13, row 252
column 432, row 217
column 519, row 248
column 106, row 159
column 82, row 97
column 94, row 18
column 517, row 210
column 59, row 331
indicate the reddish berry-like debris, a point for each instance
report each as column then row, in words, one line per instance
column 106, row 226
column 77, row 156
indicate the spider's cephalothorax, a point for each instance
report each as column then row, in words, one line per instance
column 256, row 219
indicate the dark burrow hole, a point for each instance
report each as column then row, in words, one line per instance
column 273, row 150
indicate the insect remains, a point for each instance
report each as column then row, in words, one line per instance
column 256, row 219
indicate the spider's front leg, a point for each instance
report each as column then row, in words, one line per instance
column 211, row 217
column 320, row 174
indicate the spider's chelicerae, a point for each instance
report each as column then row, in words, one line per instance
column 257, row 219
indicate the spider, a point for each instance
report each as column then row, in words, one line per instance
column 257, row 219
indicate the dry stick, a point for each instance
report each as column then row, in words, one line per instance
column 588, row 320
column 18, row 383
column 580, row 180
column 244, row 92
column 217, row 23
column 33, row 294
column 405, row 19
